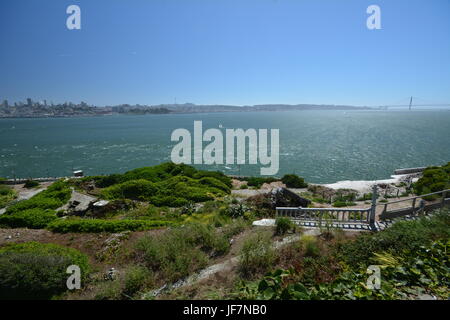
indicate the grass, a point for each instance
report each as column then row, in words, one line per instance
column 167, row 184
column 400, row 236
column 257, row 255
column 7, row 195
column 52, row 198
column 413, row 256
column 99, row 225
column 181, row 251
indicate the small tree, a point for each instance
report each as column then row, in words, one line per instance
column 294, row 181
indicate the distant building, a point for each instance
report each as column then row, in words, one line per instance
column 29, row 102
column 5, row 103
column 78, row 173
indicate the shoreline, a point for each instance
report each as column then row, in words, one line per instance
column 364, row 186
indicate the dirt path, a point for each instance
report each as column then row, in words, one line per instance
column 221, row 267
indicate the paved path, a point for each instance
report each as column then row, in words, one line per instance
column 25, row 194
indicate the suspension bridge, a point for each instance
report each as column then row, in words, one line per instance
column 415, row 102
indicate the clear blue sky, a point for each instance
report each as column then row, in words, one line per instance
column 225, row 51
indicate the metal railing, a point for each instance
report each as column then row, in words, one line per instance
column 326, row 214
column 365, row 216
column 413, row 206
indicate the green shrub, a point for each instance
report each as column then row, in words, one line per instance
column 134, row 189
column 433, row 179
column 294, row 181
column 340, row 204
column 7, row 194
column 53, row 197
column 256, row 255
column 283, row 225
column 31, row 218
column 402, row 235
column 161, row 173
column 98, row 225
column 169, row 201
column 310, row 246
column 30, row 184
column 166, row 185
column 34, row 270
column 109, row 290
column 236, row 210
column 179, row 252
column 136, row 278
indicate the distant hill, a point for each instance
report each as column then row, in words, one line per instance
column 36, row 109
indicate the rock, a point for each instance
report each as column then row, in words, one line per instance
column 277, row 197
column 100, row 203
column 264, row 222
column 111, row 274
column 78, row 204
column 100, row 208
column 282, row 197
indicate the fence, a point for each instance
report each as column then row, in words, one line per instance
column 434, row 200
column 365, row 218
column 322, row 216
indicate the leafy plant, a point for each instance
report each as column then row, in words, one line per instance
column 99, row 225
column 256, row 255
column 30, row 184
column 294, row 181
column 283, row 225
column 31, row 218
column 33, row 270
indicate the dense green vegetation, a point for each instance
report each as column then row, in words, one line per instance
column 30, row 184
column 53, row 197
column 180, row 251
column 257, row 182
column 341, row 204
column 99, row 225
column 167, row 184
column 35, row 218
column 34, row 270
column 283, row 225
column 433, row 179
column 7, row 194
column 413, row 257
column 38, row 211
column 257, row 255
column 294, row 181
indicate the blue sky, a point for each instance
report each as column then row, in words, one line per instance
column 240, row 52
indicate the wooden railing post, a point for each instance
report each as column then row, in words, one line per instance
column 373, row 208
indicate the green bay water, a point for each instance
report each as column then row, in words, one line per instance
column 322, row 146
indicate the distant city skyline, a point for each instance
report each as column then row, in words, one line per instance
column 225, row 52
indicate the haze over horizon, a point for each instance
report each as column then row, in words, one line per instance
column 225, row 52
